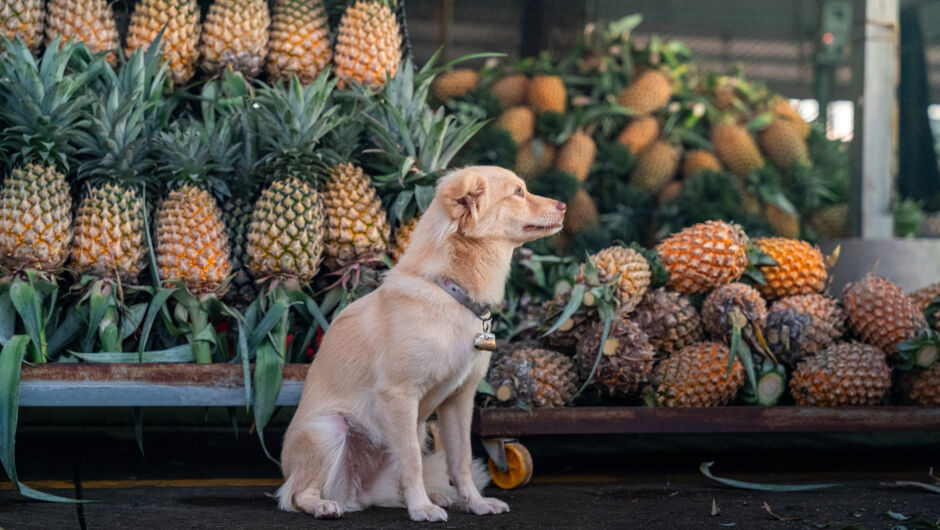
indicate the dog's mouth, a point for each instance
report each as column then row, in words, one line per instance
column 542, row 228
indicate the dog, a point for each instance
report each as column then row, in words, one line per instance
column 407, row 350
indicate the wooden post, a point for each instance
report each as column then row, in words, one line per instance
column 874, row 164
column 446, row 26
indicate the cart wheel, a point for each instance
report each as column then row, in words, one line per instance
column 520, row 467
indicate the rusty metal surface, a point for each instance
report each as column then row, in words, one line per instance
column 220, row 375
column 615, row 420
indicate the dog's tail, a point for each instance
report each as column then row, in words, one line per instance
column 436, row 479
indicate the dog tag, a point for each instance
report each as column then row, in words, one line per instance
column 485, row 341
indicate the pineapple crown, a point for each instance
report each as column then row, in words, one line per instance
column 413, row 144
column 194, row 152
column 292, row 120
column 42, row 103
column 231, row 98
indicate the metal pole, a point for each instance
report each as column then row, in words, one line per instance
column 875, row 155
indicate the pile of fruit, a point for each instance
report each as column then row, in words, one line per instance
column 710, row 317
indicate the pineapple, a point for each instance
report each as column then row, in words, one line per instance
column 368, row 44
column 89, row 21
column 581, row 213
column 235, row 35
column 356, row 224
column 571, row 331
column 533, row 158
column 827, row 320
column 35, row 200
column 669, row 320
column 546, row 93
column 632, row 269
column 736, row 148
column 649, row 92
column 697, row 376
column 542, row 378
column 881, row 314
column 22, row 19
column 789, row 334
column 848, row 373
column 511, row 91
column 923, row 297
column 455, row 84
column 704, row 256
column 520, row 122
column 639, row 133
column 784, row 223
column 236, row 216
column 921, row 387
column 299, row 42
column 699, row 160
column 670, row 192
column 783, row 145
column 180, row 38
column 626, row 358
column 721, row 305
column 403, row 237
column 655, row 166
column 782, row 108
column 577, row 154
column 800, row 268
column 832, row 222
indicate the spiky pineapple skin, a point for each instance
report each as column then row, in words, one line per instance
column 90, row 21
column 368, row 45
column 669, row 320
column 235, row 35
column 356, row 224
column 581, row 212
column 800, row 268
column 921, row 387
column 736, row 148
column 783, row 109
column 719, row 306
column 35, row 219
column 23, row 19
column 784, row 223
column 782, row 143
column 639, row 133
column 699, row 160
column 655, row 166
column 299, row 40
column 402, row 238
column 546, row 93
column 285, row 237
column 831, row 222
column 520, row 122
column 704, row 256
column 191, row 241
column 632, row 268
column 577, row 155
column 923, row 297
column 649, row 92
column 555, row 379
column 110, row 241
column 697, row 376
column 511, row 91
column 180, row 38
column 827, row 324
column 533, row 158
column 455, row 84
column 848, row 373
column 624, row 368
column 236, row 216
column 881, row 314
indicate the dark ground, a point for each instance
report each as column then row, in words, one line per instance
column 202, row 477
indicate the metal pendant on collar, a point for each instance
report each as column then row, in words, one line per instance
column 482, row 341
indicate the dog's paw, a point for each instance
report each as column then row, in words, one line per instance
column 487, row 506
column 327, row 510
column 439, row 499
column 427, row 512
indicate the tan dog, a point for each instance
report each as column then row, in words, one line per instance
column 407, row 350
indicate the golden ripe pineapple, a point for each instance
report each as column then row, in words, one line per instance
column 697, row 376
column 368, row 44
column 881, row 314
column 704, row 256
column 581, row 212
column 921, row 387
column 534, row 376
column 576, row 155
column 639, row 133
column 736, row 148
column 800, row 268
column 782, row 143
column 627, row 358
column 89, row 21
column 699, row 160
column 784, row 223
column 849, row 373
column 180, row 38
column 923, row 297
column 23, row 19
column 511, row 91
column 356, row 224
column 546, row 93
column 827, row 319
column 533, row 158
column 669, row 320
column 784, row 110
column 110, row 240
column 403, row 238
column 519, row 121
column 649, row 92
column 299, row 41
column 655, row 166
column 235, row 35
column 454, row 84
column 632, row 268
column 35, row 219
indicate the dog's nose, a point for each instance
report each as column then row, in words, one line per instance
column 560, row 206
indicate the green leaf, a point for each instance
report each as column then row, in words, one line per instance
column 139, row 428
column 424, row 195
column 271, row 318
column 608, row 321
column 67, row 331
column 133, row 317
column 98, row 305
column 157, row 304
column 29, row 306
column 898, row 516
column 7, row 318
column 705, row 469
column 574, row 303
column 485, row 387
column 268, row 379
column 177, row 354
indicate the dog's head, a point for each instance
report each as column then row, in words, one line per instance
column 492, row 202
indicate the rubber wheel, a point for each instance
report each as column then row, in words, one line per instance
column 520, row 467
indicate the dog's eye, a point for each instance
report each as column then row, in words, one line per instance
column 519, row 191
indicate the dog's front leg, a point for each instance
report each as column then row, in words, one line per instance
column 399, row 416
column 454, row 417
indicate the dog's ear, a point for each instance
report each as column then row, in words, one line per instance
column 463, row 196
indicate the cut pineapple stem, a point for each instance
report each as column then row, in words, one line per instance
column 927, row 355
column 770, row 387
